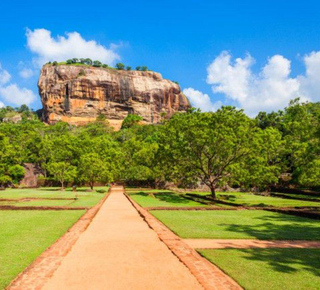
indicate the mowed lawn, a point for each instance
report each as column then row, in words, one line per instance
column 84, row 199
column 250, row 199
column 239, row 224
column 264, row 269
column 166, row 199
column 26, row 234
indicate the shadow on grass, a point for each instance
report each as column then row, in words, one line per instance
column 165, row 196
column 287, row 260
column 292, row 228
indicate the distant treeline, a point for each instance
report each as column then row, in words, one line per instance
column 97, row 63
column 217, row 149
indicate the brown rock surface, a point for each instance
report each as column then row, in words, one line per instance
column 78, row 94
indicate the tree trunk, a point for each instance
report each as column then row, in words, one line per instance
column 213, row 192
column 62, row 185
column 91, row 185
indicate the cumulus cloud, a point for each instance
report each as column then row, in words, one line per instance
column 16, row 95
column 201, row 100
column 26, row 73
column 1, row 105
column 60, row 48
column 4, row 76
column 310, row 82
column 270, row 89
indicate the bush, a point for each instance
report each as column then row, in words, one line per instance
column 101, row 191
column 97, row 63
column 105, row 66
column 82, row 73
column 138, row 68
column 69, row 61
column 144, row 68
column 128, row 67
column 130, row 121
column 55, row 63
column 120, row 66
column 101, row 118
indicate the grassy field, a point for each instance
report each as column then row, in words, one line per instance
column 266, row 269
column 85, row 199
column 26, row 234
column 241, row 224
column 167, row 198
column 250, row 199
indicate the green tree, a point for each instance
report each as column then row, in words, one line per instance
column 62, row 172
column 120, row 66
column 130, row 121
column 204, row 146
column 138, row 68
column 129, row 68
column 69, row 61
column 93, row 169
column 88, row 61
column 97, row 63
column 144, row 68
column 16, row 173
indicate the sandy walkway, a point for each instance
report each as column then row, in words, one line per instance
column 245, row 244
column 119, row 251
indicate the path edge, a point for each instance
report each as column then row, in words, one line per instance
column 208, row 275
column 42, row 268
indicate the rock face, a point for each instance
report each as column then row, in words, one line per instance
column 79, row 94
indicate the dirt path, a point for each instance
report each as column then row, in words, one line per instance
column 246, row 244
column 119, row 251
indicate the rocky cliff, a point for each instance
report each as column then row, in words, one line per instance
column 79, row 94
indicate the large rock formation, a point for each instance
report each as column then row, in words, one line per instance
column 79, row 94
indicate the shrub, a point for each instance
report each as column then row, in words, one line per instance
column 69, row 61
column 55, row 63
column 97, row 63
column 130, row 121
column 101, row 191
column 82, row 73
column 128, row 67
column 88, row 61
column 105, row 66
column 144, row 68
column 138, row 68
column 101, row 118
column 120, row 66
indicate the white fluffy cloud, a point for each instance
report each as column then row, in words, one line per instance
column 49, row 48
column 26, row 73
column 270, row 89
column 1, row 105
column 310, row 82
column 201, row 100
column 4, row 76
column 16, row 95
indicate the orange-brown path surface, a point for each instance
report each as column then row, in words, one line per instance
column 245, row 244
column 119, row 251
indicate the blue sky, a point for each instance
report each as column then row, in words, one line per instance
column 196, row 43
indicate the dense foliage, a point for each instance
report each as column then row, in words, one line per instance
column 225, row 148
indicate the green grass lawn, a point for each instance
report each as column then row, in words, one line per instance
column 266, row 269
column 26, row 234
column 85, row 199
column 165, row 198
column 295, row 195
column 250, row 199
column 241, row 224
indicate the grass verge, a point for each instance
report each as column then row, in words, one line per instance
column 239, row 224
column 266, row 269
column 26, row 234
